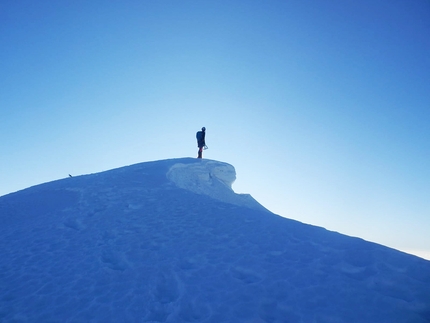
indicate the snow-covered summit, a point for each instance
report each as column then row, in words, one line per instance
column 169, row 241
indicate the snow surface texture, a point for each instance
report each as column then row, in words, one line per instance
column 211, row 178
column 147, row 243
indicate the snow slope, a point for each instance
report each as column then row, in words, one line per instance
column 169, row 241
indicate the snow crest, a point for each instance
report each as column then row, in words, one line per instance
column 212, row 178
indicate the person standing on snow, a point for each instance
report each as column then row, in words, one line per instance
column 201, row 141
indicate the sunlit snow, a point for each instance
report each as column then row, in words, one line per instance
column 169, row 241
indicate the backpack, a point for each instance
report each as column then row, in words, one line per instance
column 199, row 135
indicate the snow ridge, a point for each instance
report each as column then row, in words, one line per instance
column 169, row 242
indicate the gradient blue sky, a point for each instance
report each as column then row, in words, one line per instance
column 323, row 107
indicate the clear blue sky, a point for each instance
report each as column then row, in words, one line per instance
column 323, row 107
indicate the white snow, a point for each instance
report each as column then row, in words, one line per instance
column 211, row 178
column 169, row 241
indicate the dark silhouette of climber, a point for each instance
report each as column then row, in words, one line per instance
column 201, row 141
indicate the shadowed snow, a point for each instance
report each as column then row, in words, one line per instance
column 134, row 245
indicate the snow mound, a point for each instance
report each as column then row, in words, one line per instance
column 128, row 245
column 212, row 178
